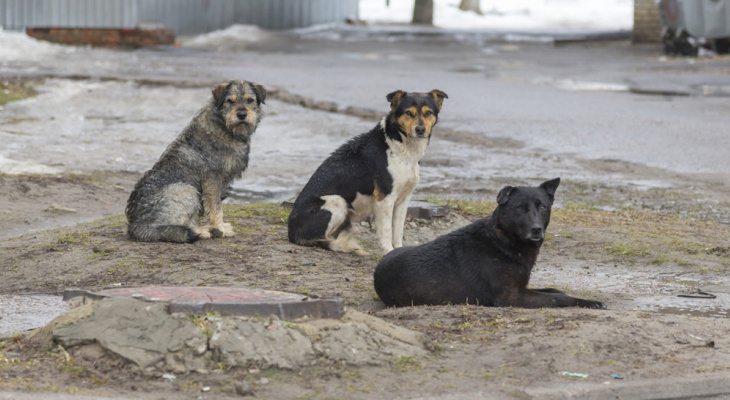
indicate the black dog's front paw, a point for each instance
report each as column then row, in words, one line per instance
column 592, row 304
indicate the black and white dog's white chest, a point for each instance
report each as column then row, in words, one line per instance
column 403, row 164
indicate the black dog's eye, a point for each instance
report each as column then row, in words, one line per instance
column 427, row 114
column 543, row 208
column 250, row 100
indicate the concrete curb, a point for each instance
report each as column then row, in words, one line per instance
column 704, row 386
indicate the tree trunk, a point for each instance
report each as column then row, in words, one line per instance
column 423, row 12
column 470, row 5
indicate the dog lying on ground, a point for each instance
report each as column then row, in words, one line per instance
column 373, row 174
column 179, row 199
column 486, row 263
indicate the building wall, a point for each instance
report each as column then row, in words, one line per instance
column 185, row 17
column 647, row 25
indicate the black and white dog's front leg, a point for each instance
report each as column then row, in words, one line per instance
column 399, row 221
column 384, row 222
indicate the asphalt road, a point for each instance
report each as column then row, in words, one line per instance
column 580, row 99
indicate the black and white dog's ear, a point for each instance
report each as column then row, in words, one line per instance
column 260, row 92
column 439, row 96
column 504, row 194
column 219, row 93
column 550, row 187
column 394, row 98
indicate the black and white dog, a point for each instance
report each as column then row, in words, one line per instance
column 373, row 174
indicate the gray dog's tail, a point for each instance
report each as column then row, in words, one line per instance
column 162, row 233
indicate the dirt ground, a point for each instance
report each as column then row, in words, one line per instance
column 497, row 352
column 634, row 249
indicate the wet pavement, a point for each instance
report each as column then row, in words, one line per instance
column 20, row 313
column 520, row 109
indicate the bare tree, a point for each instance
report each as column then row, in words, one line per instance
column 423, row 12
column 470, row 5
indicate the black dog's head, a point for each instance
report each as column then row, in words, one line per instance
column 413, row 115
column 524, row 212
column 238, row 104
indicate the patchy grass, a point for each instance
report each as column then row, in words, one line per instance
column 642, row 236
column 276, row 213
column 407, row 363
column 70, row 238
column 14, row 90
column 471, row 209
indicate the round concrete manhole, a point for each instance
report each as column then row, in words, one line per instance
column 223, row 301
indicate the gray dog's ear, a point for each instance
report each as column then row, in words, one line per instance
column 394, row 98
column 504, row 194
column 439, row 96
column 219, row 93
column 260, row 92
column 550, row 187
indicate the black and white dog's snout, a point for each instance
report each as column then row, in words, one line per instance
column 242, row 115
column 420, row 131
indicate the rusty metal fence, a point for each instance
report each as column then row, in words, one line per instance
column 186, row 17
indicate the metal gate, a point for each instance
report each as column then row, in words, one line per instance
column 186, row 17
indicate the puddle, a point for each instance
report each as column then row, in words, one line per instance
column 582, row 86
column 718, row 307
column 715, row 312
column 19, row 313
column 101, row 126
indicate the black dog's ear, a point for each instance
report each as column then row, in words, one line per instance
column 394, row 98
column 219, row 93
column 504, row 194
column 260, row 92
column 439, row 96
column 550, row 187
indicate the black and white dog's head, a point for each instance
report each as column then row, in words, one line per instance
column 524, row 212
column 414, row 115
column 238, row 105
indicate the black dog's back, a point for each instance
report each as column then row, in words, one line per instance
column 437, row 272
column 487, row 263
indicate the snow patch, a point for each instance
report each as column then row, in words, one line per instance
column 513, row 15
column 17, row 46
column 234, row 33
column 14, row 167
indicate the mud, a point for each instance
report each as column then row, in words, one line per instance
column 588, row 253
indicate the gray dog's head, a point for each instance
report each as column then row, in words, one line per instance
column 238, row 104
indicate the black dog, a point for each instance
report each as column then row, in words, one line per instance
column 486, row 263
column 372, row 175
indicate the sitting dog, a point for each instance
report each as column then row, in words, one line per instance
column 179, row 199
column 373, row 174
column 486, row 263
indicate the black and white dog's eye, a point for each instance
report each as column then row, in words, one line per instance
column 250, row 100
column 230, row 101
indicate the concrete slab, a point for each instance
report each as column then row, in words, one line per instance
column 224, row 301
column 424, row 210
column 712, row 386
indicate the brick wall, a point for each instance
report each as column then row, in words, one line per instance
column 647, row 25
column 113, row 38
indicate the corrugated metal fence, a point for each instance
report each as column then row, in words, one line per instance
column 186, row 17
